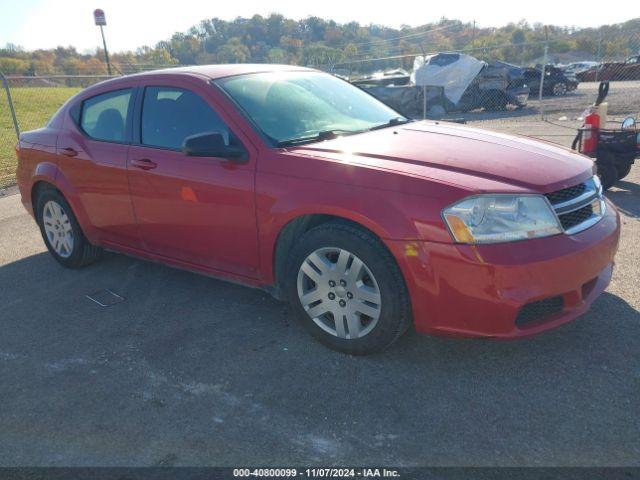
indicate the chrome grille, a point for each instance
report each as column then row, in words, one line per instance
column 571, row 219
column 567, row 193
column 578, row 207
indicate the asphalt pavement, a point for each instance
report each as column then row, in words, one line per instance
column 189, row 370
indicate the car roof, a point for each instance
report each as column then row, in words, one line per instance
column 225, row 70
column 202, row 72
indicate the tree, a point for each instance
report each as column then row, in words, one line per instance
column 277, row 55
column 318, row 54
column 518, row 36
column 13, row 66
column 318, row 41
column 350, row 51
column 234, row 51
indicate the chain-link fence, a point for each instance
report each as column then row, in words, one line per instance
column 540, row 88
column 34, row 101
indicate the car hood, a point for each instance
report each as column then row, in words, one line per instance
column 514, row 72
column 476, row 159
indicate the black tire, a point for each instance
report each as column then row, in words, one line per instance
column 83, row 253
column 608, row 174
column 623, row 170
column 559, row 89
column 395, row 311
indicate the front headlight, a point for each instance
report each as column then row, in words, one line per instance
column 501, row 218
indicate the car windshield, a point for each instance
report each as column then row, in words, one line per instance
column 300, row 107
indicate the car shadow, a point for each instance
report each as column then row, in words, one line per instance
column 609, row 311
column 184, row 352
column 626, row 197
column 163, row 306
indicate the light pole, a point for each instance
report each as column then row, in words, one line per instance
column 101, row 21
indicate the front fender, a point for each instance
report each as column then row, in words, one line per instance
column 389, row 215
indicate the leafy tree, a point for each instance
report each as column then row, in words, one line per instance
column 234, row 51
column 277, row 55
column 13, row 66
column 317, row 41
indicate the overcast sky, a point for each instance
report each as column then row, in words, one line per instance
column 133, row 23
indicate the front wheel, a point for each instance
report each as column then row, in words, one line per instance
column 608, row 174
column 347, row 289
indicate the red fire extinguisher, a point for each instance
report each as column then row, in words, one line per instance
column 595, row 116
column 590, row 129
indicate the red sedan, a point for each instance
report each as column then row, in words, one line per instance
column 295, row 181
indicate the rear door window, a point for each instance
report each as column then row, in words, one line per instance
column 104, row 117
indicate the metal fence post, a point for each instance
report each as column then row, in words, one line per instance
column 424, row 102
column 599, row 54
column 5, row 84
column 544, row 65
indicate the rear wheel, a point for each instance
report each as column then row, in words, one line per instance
column 623, row 170
column 560, row 89
column 347, row 289
column 61, row 232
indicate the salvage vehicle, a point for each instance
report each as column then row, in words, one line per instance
column 469, row 83
column 389, row 78
column 297, row 182
column 498, row 85
column 555, row 81
column 452, row 82
column 613, row 71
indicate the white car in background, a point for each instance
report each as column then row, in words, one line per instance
column 578, row 67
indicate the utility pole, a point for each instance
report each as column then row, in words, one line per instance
column 473, row 37
column 106, row 52
column 100, row 20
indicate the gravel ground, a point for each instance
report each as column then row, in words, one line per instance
column 563, row 115
column 193, row 371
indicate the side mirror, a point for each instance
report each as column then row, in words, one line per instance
column 628, row 123
column 212, row 144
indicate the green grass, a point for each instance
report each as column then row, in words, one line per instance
column 34, row 106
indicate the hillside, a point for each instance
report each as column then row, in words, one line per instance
column 315, row 41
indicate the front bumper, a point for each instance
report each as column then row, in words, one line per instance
column 518, row 96
column 479, row 291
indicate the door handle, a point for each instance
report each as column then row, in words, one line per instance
column 144, row 164
column 68, row 152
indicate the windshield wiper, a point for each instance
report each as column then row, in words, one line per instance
column 318, row 137
column 331, row 134
column 392, row 123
